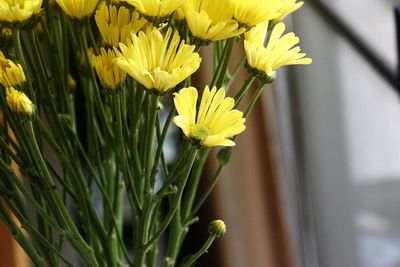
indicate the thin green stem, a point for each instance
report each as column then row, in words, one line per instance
column 58, row 208
column 20, row 55
column 199, row 253
column 205, row 194
column 254, row 99
column 243, row 91
column 160, row 143
column 177, row 198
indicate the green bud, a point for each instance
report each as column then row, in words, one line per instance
column 217, row 228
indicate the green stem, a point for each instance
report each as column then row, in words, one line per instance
column 222, row 68
column 199, row 253
column 20, row 55
column 254, row 99
column 58, row 208
column 177, row 198
column 205, row 194
column 242, row 92
column 194, row 184
column 150, row 141
column 21, row 239
column 160, row 143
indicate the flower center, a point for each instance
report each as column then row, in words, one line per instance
column 199, row 132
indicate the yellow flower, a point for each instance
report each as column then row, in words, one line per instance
column 13, row 11
column 116, row 25
column 159, row 63
column 11, row 74
column 78, row 9
column 155, row 10
column 179, row 15
column 288, row 6
column 210, row 20
column 19, row 103
column 252, row 12
column 280, row 50
column 215, row 121
column 110, row 75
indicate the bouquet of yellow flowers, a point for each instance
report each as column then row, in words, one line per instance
column 83, row 87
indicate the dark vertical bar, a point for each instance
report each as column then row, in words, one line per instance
column 397, row 21
column 358, row 43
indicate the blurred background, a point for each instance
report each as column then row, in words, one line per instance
column 319, row 180
column 315, row 181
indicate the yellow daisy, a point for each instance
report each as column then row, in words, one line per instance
column 288, row 6
column 159, row 63
column 11, row 74
column 210, row 20
column 78, row 9
column 280, row 50
column 110, row 75
column 214, row 123
column 155, row 10
column 18, row 102
column 252, row 12
column 116, row 24
column 12, row 11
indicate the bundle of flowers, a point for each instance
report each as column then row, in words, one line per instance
column 84, row 86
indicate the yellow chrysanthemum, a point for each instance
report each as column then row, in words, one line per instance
column 18, row 102
column 253, row 12
column 179, row 15
column 215, row 121
column 210, row 20
column 116, row 24
column 78, row 9
column 155, row 10
column 288, row 6
column 159, row 63
column 12, row 11
column 280, row 50
column 11, row 74
column 110, row 75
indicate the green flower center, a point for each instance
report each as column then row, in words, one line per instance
column 199, row 132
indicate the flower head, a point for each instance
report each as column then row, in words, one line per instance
column 78, row 9
column 16, row 11
column 11, row 74
column 19, row 103
column 215, row 120
column 110, row 75
column 210, row 20
column 116, row 24
column 287, row 7
column 253, row 12
column 155, row 10
column 217, row 228
column 158, row 62
column 280, row 50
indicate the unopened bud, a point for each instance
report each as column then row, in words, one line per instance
column 217, row 228
column 71, row 82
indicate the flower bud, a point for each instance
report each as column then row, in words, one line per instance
column 217, row 228
column 71, row 82
column 19, row 103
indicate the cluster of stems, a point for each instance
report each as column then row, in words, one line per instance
column 86, row 154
